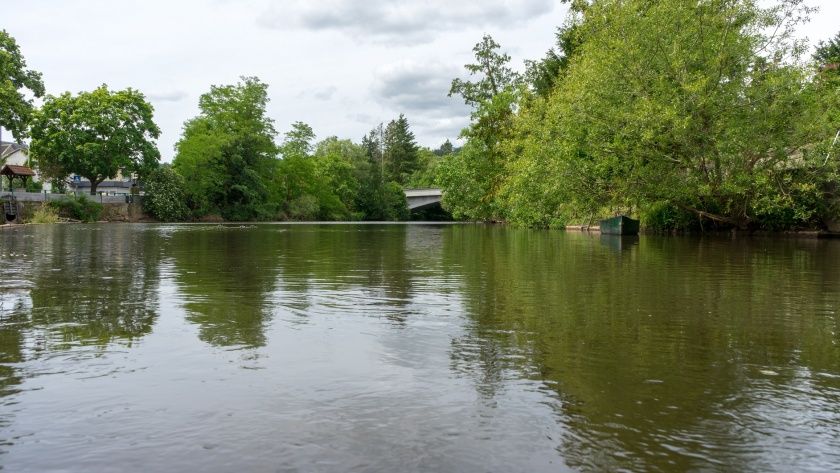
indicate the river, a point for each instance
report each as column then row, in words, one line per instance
column 468, row 348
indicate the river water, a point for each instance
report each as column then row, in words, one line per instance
column 139, row 348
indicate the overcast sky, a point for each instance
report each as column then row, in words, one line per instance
column 342, row 66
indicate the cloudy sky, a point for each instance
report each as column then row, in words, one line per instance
column 340, row 65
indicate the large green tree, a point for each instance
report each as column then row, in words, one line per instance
column 165, row 197
column 472, row 178
column 96, row 135
column 16, row 82
column 401, row 151
column 492, row 68
column 309, row 188
column 379, row 198
column 687, row 104
column 343, row 165
column 227, row 153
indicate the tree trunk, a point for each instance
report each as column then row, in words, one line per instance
column 740, row 224
column 93, row 185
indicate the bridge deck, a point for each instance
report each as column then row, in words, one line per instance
column 420, row 198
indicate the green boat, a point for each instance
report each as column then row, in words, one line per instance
column 621, row 225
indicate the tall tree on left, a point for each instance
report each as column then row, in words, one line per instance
column 15, row 79
column 96, row 135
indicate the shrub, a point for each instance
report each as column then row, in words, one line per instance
column 34, row 186
column 78, row 208
column 666, row 217
column 165, row 198
column 304, row 207
column 44, row 214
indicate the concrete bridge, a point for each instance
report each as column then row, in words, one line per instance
column 422, row 198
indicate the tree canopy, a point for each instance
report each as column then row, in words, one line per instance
column 96, row 135
column 680, row 111
column 227, row 153
column 16, row 81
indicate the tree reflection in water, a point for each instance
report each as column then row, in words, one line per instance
column 654, row 350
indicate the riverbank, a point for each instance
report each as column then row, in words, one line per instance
column 822, row 234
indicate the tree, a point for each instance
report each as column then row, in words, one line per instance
column 401, row 158
column 543, row 74
column 343, row 165
column 165, row 198
column 687, row 104
column 495, row 72
column 309, row 191
column 828, row 53
column 379, row 199
column 96, row 135
column 15, row 108
column 298, row 141
column 472, row 179
column 227, row 153
column 445, row 148
column 426, row 175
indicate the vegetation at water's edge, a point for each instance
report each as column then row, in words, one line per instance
column 691, row 115
column 78, row 208
column 44, row 214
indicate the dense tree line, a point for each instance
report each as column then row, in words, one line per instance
column 232, row 167
column 690, row 114
column 228, row 163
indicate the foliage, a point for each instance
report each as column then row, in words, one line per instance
column 298, row 141
column 44, row 214
column 828, row 53
column 660, row 108
column 493, row 69
column 401, row 158
column 34, row 186
column 16, row 108
column 542, row 75
column 663, row 217
column 472, row 178
column 309, row 189
column 96, row 135
column 378, row 198
column 226, row 153
column 382, row 201
column 165, row 197
column 426, row 174
column 78, row 208
column 445, row 149
column 342, row 164
column 304, row 207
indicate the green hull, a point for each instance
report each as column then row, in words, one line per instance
column 621, row 225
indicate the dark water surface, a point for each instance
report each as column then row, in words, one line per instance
column 138, row 348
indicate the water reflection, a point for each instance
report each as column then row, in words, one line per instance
column 671, row 355
column 427, row 348
column 225, row 275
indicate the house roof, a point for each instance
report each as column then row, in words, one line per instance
column 86, row 183
column 16, row 171
column 7, row 148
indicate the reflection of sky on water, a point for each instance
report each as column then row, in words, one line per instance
column 415, row 347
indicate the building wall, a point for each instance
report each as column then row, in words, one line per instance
column 112, row 212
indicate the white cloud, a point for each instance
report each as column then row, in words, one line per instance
column 420, row 91
column 171, row 96
column 402, row 59
column 402, row 21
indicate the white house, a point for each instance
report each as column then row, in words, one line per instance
column 16, row 154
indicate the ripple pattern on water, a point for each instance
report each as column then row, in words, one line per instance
column 414, row 348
